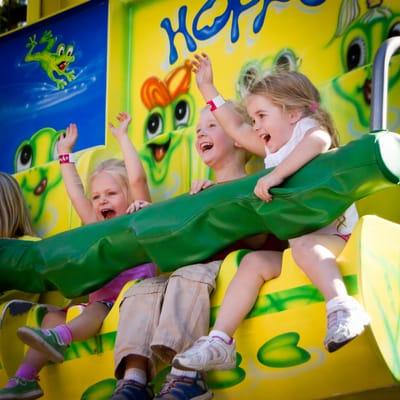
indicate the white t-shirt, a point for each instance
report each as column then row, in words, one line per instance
column 342, row 226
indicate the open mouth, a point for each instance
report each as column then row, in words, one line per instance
column 367, row 91
column 206, row 146
column 159, row 150
column 107, row 213
column 266, row 138
column 62, row 65
column 41, row 187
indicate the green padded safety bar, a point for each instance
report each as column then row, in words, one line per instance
column 189, row 229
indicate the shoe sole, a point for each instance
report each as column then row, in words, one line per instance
column 220, row 367
column 333, row 346
column 204, row 396
column 36, row 342
column 26, row 396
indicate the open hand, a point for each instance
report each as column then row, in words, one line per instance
column 124, row 120
column 67, row 140
column 202, row 67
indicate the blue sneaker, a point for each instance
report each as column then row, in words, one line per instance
column 128, row 389
column 184, row 388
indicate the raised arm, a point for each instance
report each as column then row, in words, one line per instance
column 136, row 174
column 315, row 142
column 72, row 181
column 231, row 121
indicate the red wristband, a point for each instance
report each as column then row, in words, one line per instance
column 66, row 158
column 216, row 102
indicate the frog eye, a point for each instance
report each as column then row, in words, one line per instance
column 181, row 113
column 356, row 54
column 60, row 49
column 23, row 157
column 394, row 30
column 70, row 51
column 286, row 61
column 154, row 125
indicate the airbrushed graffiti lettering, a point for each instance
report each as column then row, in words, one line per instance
column 234, row 7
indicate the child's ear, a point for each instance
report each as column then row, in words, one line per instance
column 295, row 115
column 237, row 145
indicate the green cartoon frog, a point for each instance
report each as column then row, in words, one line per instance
column 52, row 63
column 41, row 181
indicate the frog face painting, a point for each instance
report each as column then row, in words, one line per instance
column 52, row 62
column 286, row 59
column 361, row 35
column 40, row 182
column 169, row 151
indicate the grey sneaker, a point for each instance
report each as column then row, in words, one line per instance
column 23, row 389
column 184, row 388
column 346, row 320
column 45, row 341
column 207, row 353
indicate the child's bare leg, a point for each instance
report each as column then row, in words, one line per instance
column 218, row 350
column 89, row 322
column 53, row 342
column 255, row 269
column 36, row 358
column 24, row 382
column 316, row 256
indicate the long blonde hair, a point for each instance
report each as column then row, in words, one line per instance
column 14, row 217
column 117, row 169
column 292, row 90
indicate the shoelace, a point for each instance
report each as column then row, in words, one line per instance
column 21, row 381
column 171, row 383
column 339, row 318
column 122, row 384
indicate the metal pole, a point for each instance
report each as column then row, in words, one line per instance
column 380, row 78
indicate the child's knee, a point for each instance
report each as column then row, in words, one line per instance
column 198, row 273
column 301, row 247
column 264, row 267
column 53, row 318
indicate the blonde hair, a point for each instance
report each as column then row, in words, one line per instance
column 292, row 90
column 14, row 218
column 117, row 169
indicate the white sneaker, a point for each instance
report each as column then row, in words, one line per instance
column 347, row 319
column 207, row 353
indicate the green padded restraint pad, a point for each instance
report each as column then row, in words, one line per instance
column 189, row 229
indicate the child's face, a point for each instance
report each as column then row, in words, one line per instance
column 212, row 143
column 270, row 122
column 108, row 198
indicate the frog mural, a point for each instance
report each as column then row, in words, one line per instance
column 41, row 182
column 360, row 36
column 169, row 155
column 286, row 59
column 52, row 62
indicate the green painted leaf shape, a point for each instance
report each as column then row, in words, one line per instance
column 100, row 390
column 226, row 379
column 283, row 351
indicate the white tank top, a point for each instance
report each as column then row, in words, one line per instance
column 343, row 225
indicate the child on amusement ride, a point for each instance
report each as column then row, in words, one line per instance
column 164, row 315
column 112, row 187
column 289, row 128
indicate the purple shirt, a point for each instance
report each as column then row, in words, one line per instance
column 111, row 290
